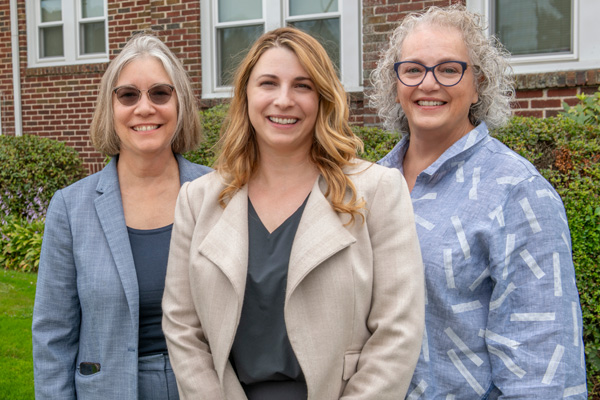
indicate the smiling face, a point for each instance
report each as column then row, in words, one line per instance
column 282, row 103
column 433, row 109
column 145, row 128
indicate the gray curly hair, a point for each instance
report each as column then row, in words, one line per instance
column 493, row 74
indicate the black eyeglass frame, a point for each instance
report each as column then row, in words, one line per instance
column 463, row 64
column 139, row 91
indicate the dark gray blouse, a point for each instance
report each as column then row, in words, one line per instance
column 150, row 250
column 262, row 354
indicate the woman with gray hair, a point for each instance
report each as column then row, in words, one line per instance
column 503, row 318
column 97, row 314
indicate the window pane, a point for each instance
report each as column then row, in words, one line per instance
column 233, row 44
column 327, row 32
column 235, row 10
column 51, row 10
column 51, row 40
column 93, row 38
column 92, row 8
column 534, row 27
column 303, row 7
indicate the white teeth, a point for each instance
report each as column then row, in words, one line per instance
column 283, row 121
column 145, row 128
column 429, row 103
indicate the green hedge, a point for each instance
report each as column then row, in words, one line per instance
column 568, row 155
column 33, row 168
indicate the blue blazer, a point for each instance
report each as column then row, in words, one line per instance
column 87, row 302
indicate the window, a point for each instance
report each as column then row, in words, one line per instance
column 230, row 27
column 544, row 35
column 66, row 32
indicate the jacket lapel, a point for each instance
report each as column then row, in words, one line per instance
column 321, row 234
column 109, row 207
column 226, row 245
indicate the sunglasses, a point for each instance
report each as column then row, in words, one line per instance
column 130, row 95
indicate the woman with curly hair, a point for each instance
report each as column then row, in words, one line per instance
column 502, row 316
column 295, row 269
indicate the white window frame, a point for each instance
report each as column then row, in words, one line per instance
column 585, row 53
column 275, row 14
column 71, row 22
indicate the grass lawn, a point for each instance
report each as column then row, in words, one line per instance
column 17, row 291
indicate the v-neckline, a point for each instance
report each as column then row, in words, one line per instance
column 253, row 214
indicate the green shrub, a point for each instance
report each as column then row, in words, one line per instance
column 587, row 111
column 377, row 142
column 33, row 168
column 21, row 242
column 211, row 124
column 568, row 155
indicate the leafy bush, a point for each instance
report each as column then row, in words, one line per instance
column 35, row 167
column 21, row 242
column 211, row 124
column 587, row 111
column 568, row 155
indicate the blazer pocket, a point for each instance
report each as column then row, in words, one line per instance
column 350, row 364
column 89, row 368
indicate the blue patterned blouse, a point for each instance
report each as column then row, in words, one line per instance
column 503, row 318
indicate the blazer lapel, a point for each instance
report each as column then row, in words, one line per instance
column 109, row 207
column 321, row 234
column 226, row 245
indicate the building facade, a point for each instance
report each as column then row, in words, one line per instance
column 54, row 52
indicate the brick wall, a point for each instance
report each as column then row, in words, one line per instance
column 541, row 95
column 58, row 102
column 6, row 84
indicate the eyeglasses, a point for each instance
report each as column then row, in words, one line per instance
column 130, row 95
column 447, row 73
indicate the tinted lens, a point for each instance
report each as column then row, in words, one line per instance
column 127, row 96
column 160, row 94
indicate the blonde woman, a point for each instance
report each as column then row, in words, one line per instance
column 295, row 270
column 97, row 314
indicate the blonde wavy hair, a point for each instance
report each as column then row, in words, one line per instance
column 188, row 132
column 492, row 74
column 334, row 145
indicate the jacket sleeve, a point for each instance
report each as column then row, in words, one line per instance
column 534, row 330
column 188, row 347
column 56, row 312
column 396, row 319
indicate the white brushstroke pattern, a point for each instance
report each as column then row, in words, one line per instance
column 462, row 346
column 498, row 302
column 448, row 269
column 465, row 373
column 513, row 344
column 532, row 264
column 462, row 238
column 508, row 362
column 559, row 351
column 531, row 218
column 532, row 317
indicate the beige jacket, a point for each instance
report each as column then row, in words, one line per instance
column 354, row 306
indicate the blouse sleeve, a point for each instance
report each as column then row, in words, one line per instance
column 56, row 312
column 534, row 330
